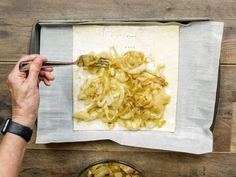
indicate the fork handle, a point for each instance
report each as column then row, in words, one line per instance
column 25, row 65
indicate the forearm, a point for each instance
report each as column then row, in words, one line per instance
column 12, row 149
column 24, row 90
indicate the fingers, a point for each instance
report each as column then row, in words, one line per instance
column 46, row 82
column 47, row 72
column 35, row 69
column 36, row 72
column 28, row 58
column 23, row 58
column 19, row 77
column 50, row 69
column 46, row 77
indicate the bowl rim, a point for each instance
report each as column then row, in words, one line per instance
column 111, row 161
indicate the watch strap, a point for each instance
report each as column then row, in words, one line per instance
column 17, row 129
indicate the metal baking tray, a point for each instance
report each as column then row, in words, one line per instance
column 35, row 37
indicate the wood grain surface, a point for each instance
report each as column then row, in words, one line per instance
column 16, row 18
column 233, row 134
column 59, row 163
column 75, row 9
column 67, row 159
column 222, row 130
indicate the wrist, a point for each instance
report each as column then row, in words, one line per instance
column 14, row 138
column 26, row 121
column 18, row 129
column 23, row 117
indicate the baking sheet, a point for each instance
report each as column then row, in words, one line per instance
column 159, row 43
column 200, row 44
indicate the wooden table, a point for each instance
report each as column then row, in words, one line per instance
column 16, row 19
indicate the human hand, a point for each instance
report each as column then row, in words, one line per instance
column 24, row 89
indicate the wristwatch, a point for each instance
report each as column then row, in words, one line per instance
column 17, row 129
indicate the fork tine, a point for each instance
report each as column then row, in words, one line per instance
column 103, row 59
column 103, row 63
column 100, row 65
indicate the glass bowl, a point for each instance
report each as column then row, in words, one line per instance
column 116, row 166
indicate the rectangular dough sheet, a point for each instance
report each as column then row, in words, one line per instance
column 159, row 43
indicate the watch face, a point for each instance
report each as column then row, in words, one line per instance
column 5, row 126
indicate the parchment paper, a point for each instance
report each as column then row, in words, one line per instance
column 200, row 44
column 160, row 44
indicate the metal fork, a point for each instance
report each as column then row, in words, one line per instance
column 102, row 62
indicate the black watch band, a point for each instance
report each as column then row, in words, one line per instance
column 17, row 129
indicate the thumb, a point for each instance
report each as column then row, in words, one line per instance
column 34, row 70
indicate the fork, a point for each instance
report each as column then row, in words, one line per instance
column 101, row 62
